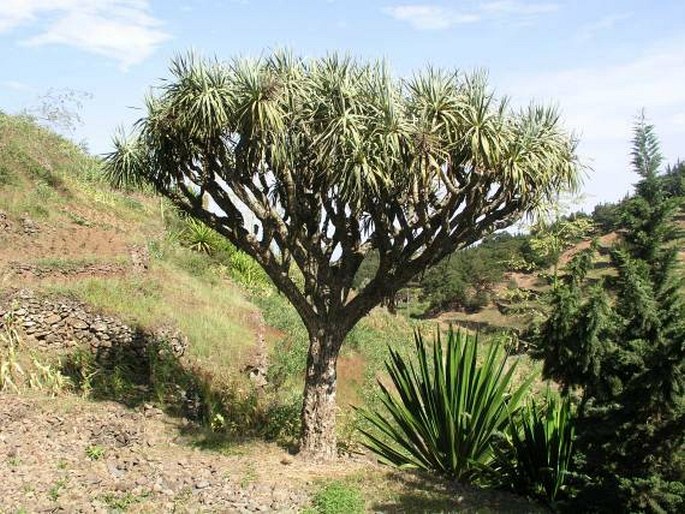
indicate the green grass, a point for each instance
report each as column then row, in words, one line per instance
column 7, row 176
column 337, row 497
column 67, row 265
column 135, row 299
column 56, row 490
column 42, row 172
column 95, row 452
column 408, row 492
column 120, row 502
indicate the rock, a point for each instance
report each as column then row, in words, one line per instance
column 150, row 411
column 93, row 479
column 99, row 326
column 5, row 224
column 140, row 258
column 29, row 226
column 114, row 470
column 76, row 323
column 52, row 319
column 202, row 484
column 124, row 486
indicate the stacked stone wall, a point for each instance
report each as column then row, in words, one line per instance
column 62, row 323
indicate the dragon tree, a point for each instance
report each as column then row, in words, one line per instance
column 307, row 165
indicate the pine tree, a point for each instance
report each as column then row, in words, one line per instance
column 621, row 343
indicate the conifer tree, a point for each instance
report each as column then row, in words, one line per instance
column 621, row 343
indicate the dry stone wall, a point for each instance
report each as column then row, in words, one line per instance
column 62, row 323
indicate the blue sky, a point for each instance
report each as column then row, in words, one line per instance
column 600, row 61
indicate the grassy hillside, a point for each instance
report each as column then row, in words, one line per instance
column 518, row 299
column 81, row 223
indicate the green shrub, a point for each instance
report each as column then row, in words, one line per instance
column 283, row 420
column 338, row 498
column 448, row 408
column 95, row 452
column 7, row 177
column 120, row 376
column 82, row 369
column 249, row 274
column 538, row 459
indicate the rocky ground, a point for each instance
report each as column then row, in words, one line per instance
column 70, row 455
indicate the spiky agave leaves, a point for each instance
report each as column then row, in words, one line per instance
column 200, row 238
column 446, row 407
column 538, row 460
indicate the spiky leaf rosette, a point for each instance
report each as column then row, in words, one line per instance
column 445, row 408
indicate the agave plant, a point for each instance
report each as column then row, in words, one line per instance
column 200, row 238
column 447, row 407
column 541, row 448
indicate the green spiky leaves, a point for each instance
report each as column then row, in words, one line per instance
column 445, row 408
column 538, row 460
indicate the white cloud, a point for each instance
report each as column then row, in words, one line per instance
column 430, row 17
column 518, row 8
column 437, row 17
column 123, row 30
column 604, row 24
column 678, row 120
column 597, row 98
column 15, row 85
column 601, row 102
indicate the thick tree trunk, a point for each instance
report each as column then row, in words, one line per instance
column 319, row 409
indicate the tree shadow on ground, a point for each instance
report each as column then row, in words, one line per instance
column 421, row 493
column 146, row 374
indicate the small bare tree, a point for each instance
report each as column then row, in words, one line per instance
column 335, row 158
column 60, row 109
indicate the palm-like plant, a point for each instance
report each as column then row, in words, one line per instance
column 541, row 447
column 247, row 272
column 448, row 407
